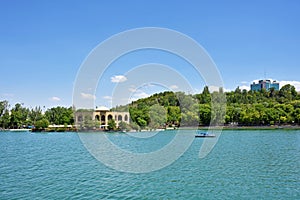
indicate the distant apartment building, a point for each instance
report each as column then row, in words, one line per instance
column 266, row 84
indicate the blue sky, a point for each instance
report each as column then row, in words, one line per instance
column 43, row 43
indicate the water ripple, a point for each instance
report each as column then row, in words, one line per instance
column 243, row 165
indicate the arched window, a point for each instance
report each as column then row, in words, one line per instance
column 97, row 117
column 109, row 117
column 120, row 118
column 126, row 118
column 79, row 118
column 103, row 118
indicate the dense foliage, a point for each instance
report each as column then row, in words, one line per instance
column 263, row 107
column 242, row 108
column 22, row 117
column 177, row 109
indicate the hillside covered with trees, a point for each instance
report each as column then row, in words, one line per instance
column 173, row 109
column 244, row 108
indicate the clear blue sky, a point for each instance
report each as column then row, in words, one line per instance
column 43, row 43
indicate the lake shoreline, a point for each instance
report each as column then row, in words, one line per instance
column 283, row 127
column 204, row 128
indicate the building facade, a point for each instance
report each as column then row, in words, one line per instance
column 264, row 84
column 102, row 115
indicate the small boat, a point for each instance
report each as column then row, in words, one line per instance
column 205, row 135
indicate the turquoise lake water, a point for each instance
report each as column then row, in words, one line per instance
column 243, row 165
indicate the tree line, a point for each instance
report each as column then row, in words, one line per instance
column 21, row 117
column 245, row 108
column 173, row 109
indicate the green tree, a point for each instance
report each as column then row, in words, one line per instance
column 111, row 124
column 140, row 114
column 205, row 97
column 173, row 115
column 18, row 116
column 35, row 115
column 158, row 116
column 123, row 126
column 4, row 105
column 4, row 114
column 41, row 123
column 141, row 122
column 287, row 93
column 88, row 122
column 60, row 115
column 5, row 120
column 205, row 114
column 134, row 126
